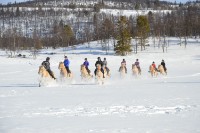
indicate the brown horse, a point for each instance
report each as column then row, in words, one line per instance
column 44, row 76
column 161, row 70
column 135, row 70
column 43, row 72
column 99, row 75
column 84, row 73
column 63, row 71
column 153, row 72
column 122, row 70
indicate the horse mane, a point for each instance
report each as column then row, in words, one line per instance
column 98, row 66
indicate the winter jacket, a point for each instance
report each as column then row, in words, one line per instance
column 105, row 63
column 86, row 63
column 137, row 64
column 46, row 65
column 154, row 65
column 66, row 63
column 99, row 62
column 163, row 64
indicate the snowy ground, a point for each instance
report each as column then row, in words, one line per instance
column 167, row 104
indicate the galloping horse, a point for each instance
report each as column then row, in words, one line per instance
column 63, row 71
column 106, row 74
column 45, row 76
column 153, row 72
column 99, row 74
column 84, row 73
column 161, row 70
column 135, row 70
column 122, row 70
column 43, row 72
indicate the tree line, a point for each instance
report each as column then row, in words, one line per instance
column 44, row 26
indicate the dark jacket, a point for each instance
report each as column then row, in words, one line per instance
column 46, row 64
column 137, row 64
column 99, row 62
column 163, row 64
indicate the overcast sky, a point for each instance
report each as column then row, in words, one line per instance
column 12, row 1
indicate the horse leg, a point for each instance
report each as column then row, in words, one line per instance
column 152, row 74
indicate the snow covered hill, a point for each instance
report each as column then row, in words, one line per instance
column 166, row 104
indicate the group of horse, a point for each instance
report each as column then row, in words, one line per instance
column 154, row 72
column 64, row 75
column 136, row 71
column 100, row 78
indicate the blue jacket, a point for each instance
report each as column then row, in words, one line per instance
column 66, row 63
column 86, row 63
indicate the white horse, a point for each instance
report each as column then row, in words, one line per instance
column 106, row 74
column 99, row 75
column 135, row 70
column 122, row 70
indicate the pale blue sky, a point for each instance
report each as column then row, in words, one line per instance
column 12, row 1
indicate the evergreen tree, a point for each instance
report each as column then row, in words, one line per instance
column 123, row 46
column 68, row 34
column 156, row 4
column 143, row 29
column 17, row 12
column 137, row 6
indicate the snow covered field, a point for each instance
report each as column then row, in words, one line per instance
column 166, row 104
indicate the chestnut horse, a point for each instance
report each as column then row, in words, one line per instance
column 161, row 70
column 153, row 72
column 84, row 73
column 63, row 71
column 135, row 70
column 43, row 72
column 44, row 76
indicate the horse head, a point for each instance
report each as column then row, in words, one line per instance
column 151, row 68
column 82, row 67
column 61, row 65
column 134, row 66
column 98, row 67
column 41, row 69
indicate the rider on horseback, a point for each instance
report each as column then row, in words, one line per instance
column 163, row 64
column 105, row 65
column 154, row 66
column 137, row 63
column 100, row 63
column 123, row 62
column 86, row 64
column 66, row 63
column 46, row 65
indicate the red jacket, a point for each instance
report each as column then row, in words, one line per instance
column 154, row 65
